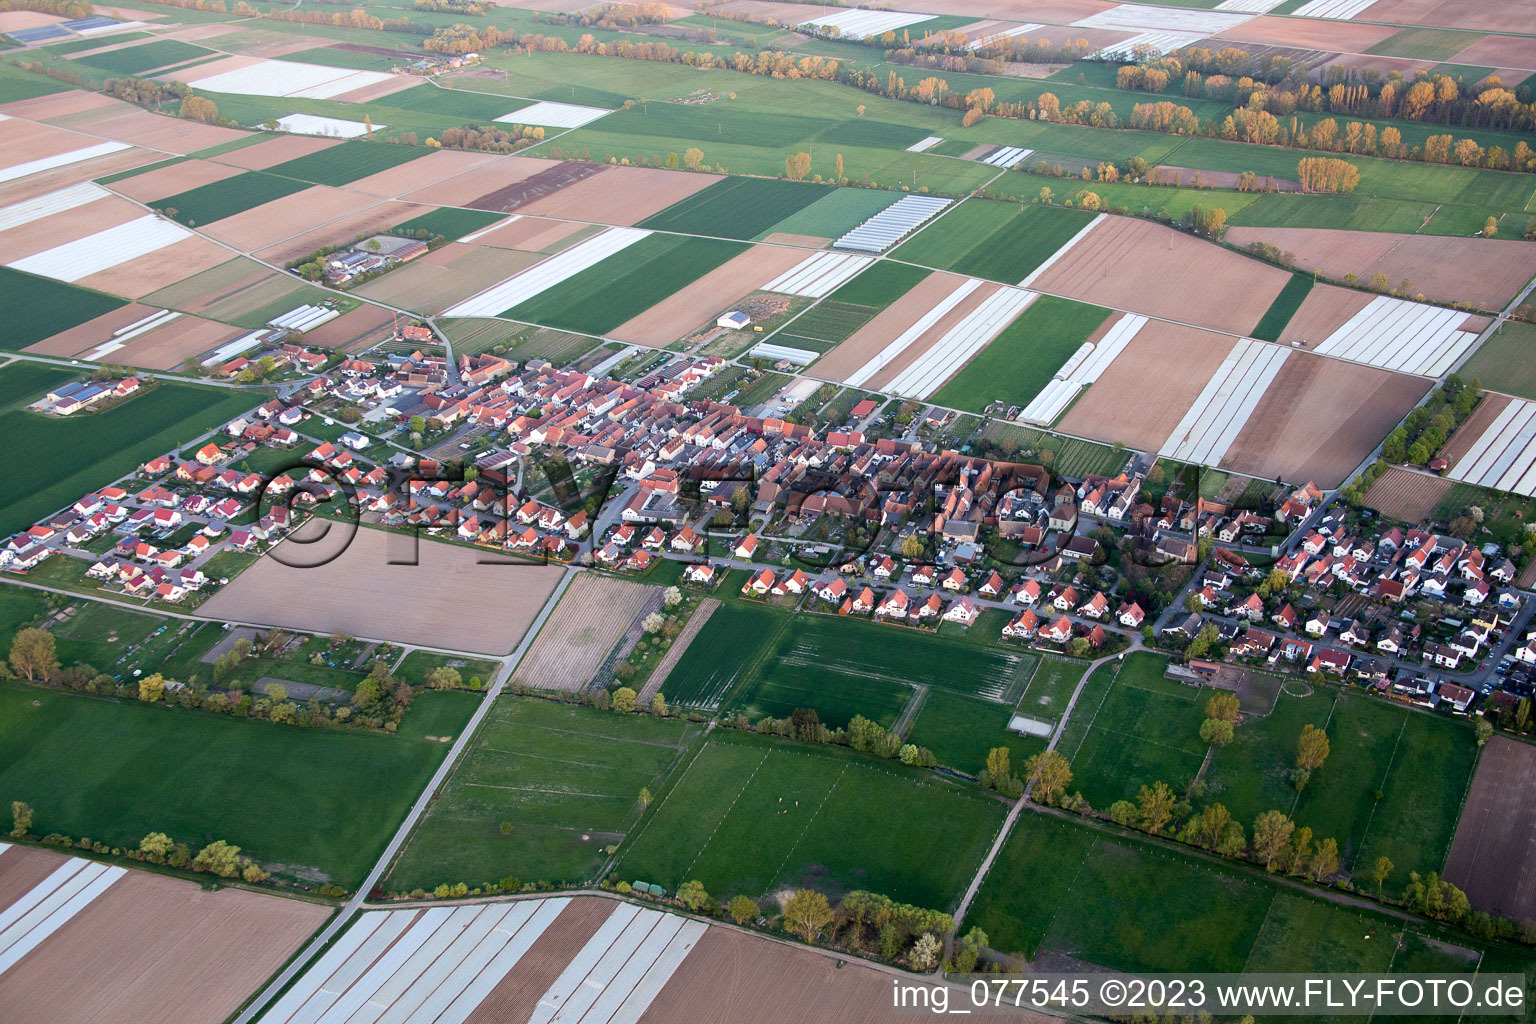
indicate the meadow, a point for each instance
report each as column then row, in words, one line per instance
column 541, row 791
column 64, row 458
column 738, row 207
column 52, row 306
column 961, row 731
column 625, row 284
column 749, row 814
column 22, row 383
column 1506, row 361
column 1024, row 357
column 991, row 239
column 307, row 803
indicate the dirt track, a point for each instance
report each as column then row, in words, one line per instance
column 1149, row 387
column 451, row 599
column 1319, row 419
column 708, row 297
column 1144, row 267
column 1490, row 857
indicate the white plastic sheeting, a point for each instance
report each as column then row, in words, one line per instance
column 943, row 359
column 1222, row 409
column 50, row 203
column 521, row 287
column 554, row 115
column 920, row 327
column 858, row 24
column 289, row 78
column 818, row 275
column 891, row 224
column 1504, row 456
column 48, row 163
column 105, row 249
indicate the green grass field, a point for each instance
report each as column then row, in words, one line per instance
column 52, row 306
column 1506, row 361
column 565, row 777
column 835, row 214
column 961, row 730
column 738, row 207
column 333, row 57
column 1144, row 729
column 450, row 222
column 347, row 162
column 625, row 284
column 1425, row 43
column 840, row 314
column 1050, row 688
column 723, row 653
column 996, row 240
column 1022, row 359
column 64, row 458
column 749, row 814
column 1283, row 308
column 307, row 803
column 22, row 383
column 135, row 60
column 433, row 99
column 217, row 200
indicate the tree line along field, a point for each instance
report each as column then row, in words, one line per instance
column 60, row 459
column 1392, row 785
column 310, row 804
column 1139, row 905
column 991, row 239
column 749, row 814
column 542, row 791
column 1023, row 358
column 603, row 296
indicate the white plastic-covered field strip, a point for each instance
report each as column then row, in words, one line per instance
column 1059, row 253
column 492, row 227
column 233, row 348
column 289, row 78
column 468, row 968
column 304, row 318
column 104, row 249
column 49, row 905
column 1170, row 19
column 608, row 933
column 891, row 224
column 1160, row 41
column 859, row 24
column 620, row 970
column 923, row 145
column 818, row 275
column 638, row 996
column 1083, row 368
column 384, row 967
column 994, row 38
column 1248, row 6
column 332, row 127
column 1335, row 10
column 1051, row 402
column 310, row 981
column 799, row 356
column 520, row 288
column 50, row 203
column 943, row 359
column 1396, row 334
column 123, row 335
column 48, row 163
column 554, row 115
column 1504, row 456
column 1218, row 415
column 1006, row 156
column 911, row 334
column 415, row 1003
column 352, row 968
column 521, row 940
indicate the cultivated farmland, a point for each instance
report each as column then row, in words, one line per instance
column 1489, row 858
column 995, row 240
column 52, row 306
column 566, row 778
column 1407, row 496
column 226, row 197
column 1017, row 363
column 592, row 615
column 737, row 207
column 349, row 161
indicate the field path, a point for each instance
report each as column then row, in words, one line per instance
column 679, row 647
column 460, row 743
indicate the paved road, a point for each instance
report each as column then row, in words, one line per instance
column 355, row 904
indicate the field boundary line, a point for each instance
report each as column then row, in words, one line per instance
column 670, row 790
column 910, row 710
column 1260, row 933
column 734, row 800
column 1381, row 787
column 819, row 807
column 1062, row 723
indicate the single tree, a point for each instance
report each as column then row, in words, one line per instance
column 1325, row 861
column 1155, row 805
column 806, row 913
column 1050, row 774
column 1380, row 872
column 692, row 894
column 624, row 700
column 21, row 818
column 1271, row 837
column 152, row 688
column 33, row 654
column 743, row 909
column 925, row 952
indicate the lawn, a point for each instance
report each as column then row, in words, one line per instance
column 217, row 200
column 1050, row 688
column 134, row 60
column 1141, row 729
column 738, row 207
column 413, row 668
column 1283, row 308
column 52, row 306
column 565, row 778
column 307, row 803
column 449, row 222
column 842, row 667
column 1506, row 361
column 625, row 284
column 993, row 239
column 1022, row 359
column 347, row 162
column 836, row 214
column 64, row 458
column 750, row 814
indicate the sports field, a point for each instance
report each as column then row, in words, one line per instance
column 1021, row 360
column 208, row 203
column 63, row 458
column 992, row 239
column 309, row 804
column 749, row 814
column 625, row 284
column 542, row 790
column 1138, row 729
column 738, row 207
